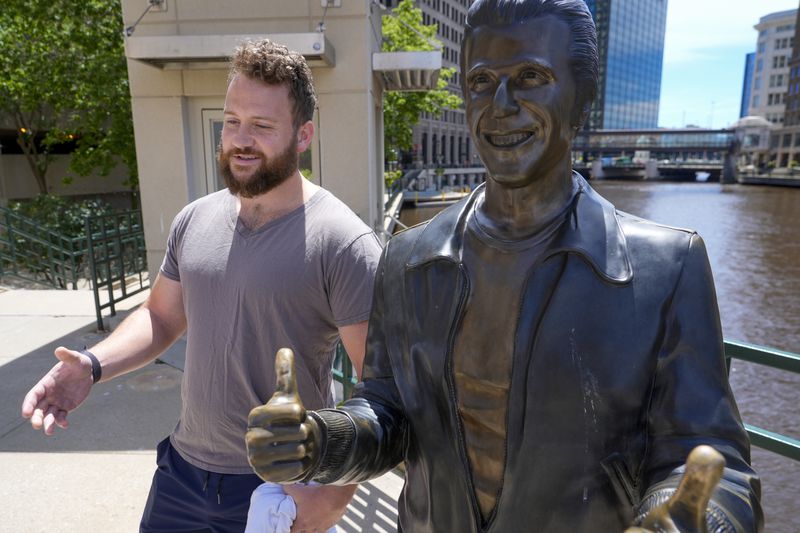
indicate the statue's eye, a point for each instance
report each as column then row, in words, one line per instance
column 533, row 77
column 479, row 82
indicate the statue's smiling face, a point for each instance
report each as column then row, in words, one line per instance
column 520, row 98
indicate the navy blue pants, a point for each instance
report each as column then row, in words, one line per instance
column 189, row 499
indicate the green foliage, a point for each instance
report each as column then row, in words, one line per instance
column 48, row 245
column 390, row 176
column 401, row 110
column 63, row 78
column 59, row 214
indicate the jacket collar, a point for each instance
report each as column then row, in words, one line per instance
column 591, row 231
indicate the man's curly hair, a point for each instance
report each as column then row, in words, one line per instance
column 275, row 64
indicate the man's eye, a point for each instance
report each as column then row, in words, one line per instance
column 262, row 126
column 231, row 122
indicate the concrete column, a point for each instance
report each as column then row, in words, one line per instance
column 3, row 193
column 730, row 172
column 597, row 169
column 651, row 169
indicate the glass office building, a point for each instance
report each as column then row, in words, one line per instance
column 749, row 65
column 630, row 38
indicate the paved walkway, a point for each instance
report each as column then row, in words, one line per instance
column 94, row 477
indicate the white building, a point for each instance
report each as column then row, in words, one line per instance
column 771, row 71
column 753, row 134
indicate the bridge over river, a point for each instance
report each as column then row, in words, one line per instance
column 669, row 154
column 683, row 154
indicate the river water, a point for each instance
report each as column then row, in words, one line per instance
column 753, row 238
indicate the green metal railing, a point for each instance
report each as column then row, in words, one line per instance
column 111, row 255
column 763, row 438
column 343, row 371
column 31, row 252
column 117, row 259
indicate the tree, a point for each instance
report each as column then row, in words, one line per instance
column 401, row 110
column 64, row 79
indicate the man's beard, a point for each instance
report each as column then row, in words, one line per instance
column 271, row 173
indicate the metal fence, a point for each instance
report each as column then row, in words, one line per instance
column 117, row 259
column 789, row 362
column 110, row 255
column 343, row 371
column 31, row 252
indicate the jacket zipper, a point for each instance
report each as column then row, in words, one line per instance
column 628, row 485
column 453, row 398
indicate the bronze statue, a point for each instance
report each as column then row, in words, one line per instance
column 539, row 360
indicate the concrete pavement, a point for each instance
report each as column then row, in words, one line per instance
column 94, row 476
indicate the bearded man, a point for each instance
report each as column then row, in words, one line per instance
column 272, row 261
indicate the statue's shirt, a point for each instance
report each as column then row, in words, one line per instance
column 484, row 346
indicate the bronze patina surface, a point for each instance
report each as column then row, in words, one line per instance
column 539, row 360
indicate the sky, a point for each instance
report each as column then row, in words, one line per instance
column 704, row 52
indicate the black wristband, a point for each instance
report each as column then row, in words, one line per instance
column 97, row 370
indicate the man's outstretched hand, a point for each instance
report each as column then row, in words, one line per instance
column 60, row 391
column 685, row 511
column 283, row 443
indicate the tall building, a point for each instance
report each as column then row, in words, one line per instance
column 785, row 142
column 630, row 38
column 747, row 85
column 771, row 72
column 443, row 140
column 792, row 107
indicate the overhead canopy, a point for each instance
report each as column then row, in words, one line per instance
column 408, row 71
column 213, row 51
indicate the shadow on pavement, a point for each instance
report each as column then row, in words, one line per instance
column 133, row 412
column 374, row 507
column 110, row 443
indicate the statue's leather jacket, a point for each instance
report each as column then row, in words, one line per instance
column 618, row 373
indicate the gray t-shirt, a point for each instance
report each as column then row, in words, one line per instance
column 290, row 283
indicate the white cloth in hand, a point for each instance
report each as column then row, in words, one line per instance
column 272, row 510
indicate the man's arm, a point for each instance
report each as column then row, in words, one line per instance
column 319, row 507
column 367, row 436
column 147, row 332
column 354, row 339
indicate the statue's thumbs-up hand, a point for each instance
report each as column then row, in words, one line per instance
column 685, row 511
column 282, row 442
